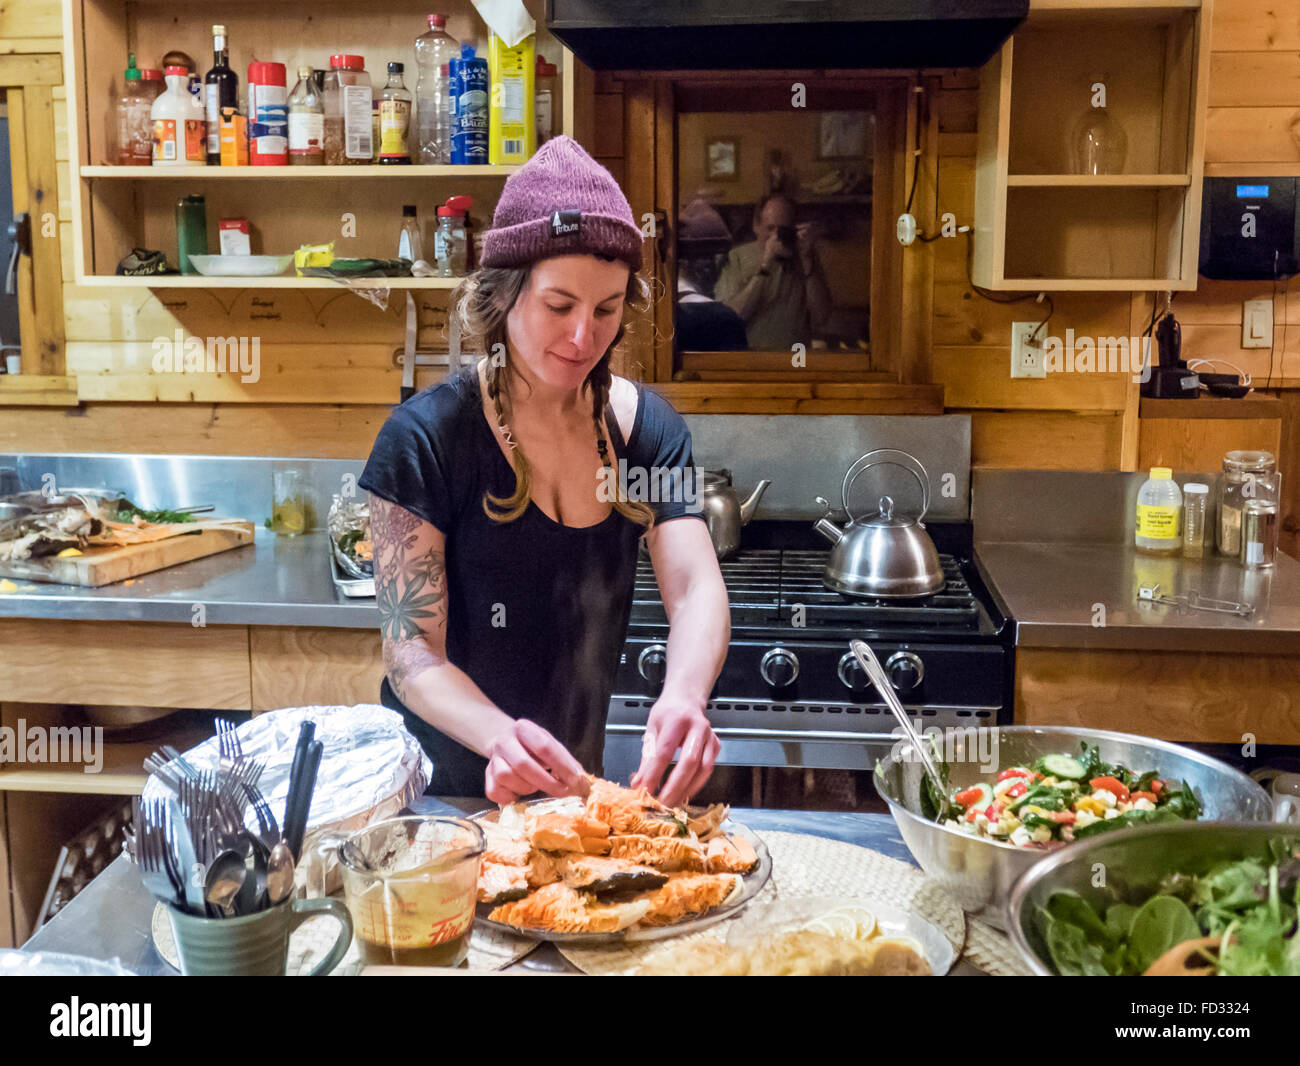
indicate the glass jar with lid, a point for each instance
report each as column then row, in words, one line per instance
column 1247, row 475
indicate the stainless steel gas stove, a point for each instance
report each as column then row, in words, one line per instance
column 790, row 693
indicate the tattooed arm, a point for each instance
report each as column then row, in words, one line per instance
column 411, row 591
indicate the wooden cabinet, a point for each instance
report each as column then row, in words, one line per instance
column 1133, row 78
column 117, row 208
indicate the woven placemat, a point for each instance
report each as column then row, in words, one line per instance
column 804, row 866
column 309, row 943
column 992, row 951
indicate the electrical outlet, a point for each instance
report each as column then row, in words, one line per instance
column 1028, row 359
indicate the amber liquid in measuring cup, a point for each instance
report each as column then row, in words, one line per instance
column 411, row 887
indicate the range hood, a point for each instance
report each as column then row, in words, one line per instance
column 783, row 34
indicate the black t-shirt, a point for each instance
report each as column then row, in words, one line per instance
column 537, row 611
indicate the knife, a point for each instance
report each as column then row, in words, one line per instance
column 191, row 871
column 306, row 732
column 305, row 787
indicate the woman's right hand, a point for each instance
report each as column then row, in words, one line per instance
column 524, row 758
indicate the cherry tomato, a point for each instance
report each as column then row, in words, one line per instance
column 1157, row 786
column 1063, row 817
column 1015, row 771
column 970, row 814
column 968, row 796
column 1143, row 796
column 1016, row 790
column 1112, row 785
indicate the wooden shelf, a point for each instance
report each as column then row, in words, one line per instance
column 307, row 173
column 1098, row 181
column 197, row 281
column 1040, row 228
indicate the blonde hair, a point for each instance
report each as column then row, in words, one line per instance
column 481, row 303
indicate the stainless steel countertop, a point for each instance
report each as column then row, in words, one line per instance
column 111, row 917
column 1056, row 592
column 276, row 581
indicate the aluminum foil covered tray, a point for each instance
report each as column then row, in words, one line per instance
column 371, row 768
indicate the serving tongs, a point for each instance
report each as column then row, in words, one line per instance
column 868, row 661
column 1194, row 601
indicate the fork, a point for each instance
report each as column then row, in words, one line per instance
column 152, row 850
column 174, row 756
column 268, row 830
column 232, row 752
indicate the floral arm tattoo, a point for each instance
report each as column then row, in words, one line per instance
column 411, row 592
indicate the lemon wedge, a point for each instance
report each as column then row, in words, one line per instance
column 68, row 553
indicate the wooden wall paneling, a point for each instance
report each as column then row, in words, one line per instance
column 1255, row 26
column 577, row 87
column 1288, row 462
column 1044, row 440
column 979, row 377
column 806, row 398
column 662, row 249
column 638, row 354
column 294, row 667
column 891, row 174
column 22, row 202
column 46, row 347
column 1190, row 47
column 155, row 664
column 1179, row 696
column 321, row 431
column 1254, row 79
column 918, row 260
column 962, row 317
column 30, row 26
column 1200, row 443
column 1252, row 135
column 41, row 69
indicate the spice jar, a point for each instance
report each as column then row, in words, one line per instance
column 1258, row 534
column 349, row 134
column 1247, row 476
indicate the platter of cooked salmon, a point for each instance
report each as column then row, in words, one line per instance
column 614, row 865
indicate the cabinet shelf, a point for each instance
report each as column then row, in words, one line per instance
column 1098, row 181
column 197, row 281
column 317, row 173
column 1141, row 69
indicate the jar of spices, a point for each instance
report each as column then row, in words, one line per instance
column 1247, row 475
column 349, row 134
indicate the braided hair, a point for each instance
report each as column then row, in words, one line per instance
column 482, row 303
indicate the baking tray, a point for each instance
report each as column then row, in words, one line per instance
column 752, row 884
column 352, row 587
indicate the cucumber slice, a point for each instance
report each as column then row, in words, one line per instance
column 1063, row 766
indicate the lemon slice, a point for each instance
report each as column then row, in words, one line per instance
column 849, row 922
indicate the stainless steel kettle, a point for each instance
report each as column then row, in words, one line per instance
column 884, row 555
column 725, row 512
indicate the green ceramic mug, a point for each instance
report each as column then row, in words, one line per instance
column 256, row 945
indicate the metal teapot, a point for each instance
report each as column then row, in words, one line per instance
column 884, row 555
column 725, row 512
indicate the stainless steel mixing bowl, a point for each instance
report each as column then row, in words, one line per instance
column 980, row 874
column 1134, row 861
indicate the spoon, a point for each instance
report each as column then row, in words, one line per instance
column 250, row 893
column 868, row 661
column 279, row 873
column 224, row 881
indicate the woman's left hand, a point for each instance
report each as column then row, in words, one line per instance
column 673, row 724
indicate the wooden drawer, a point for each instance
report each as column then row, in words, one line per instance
column 158, row 664
column 296, row 667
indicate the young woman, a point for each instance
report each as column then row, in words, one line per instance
column 503, row 564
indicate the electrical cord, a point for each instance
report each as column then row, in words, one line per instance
column 1001, row 298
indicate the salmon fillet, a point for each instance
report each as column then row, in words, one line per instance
column 558, row 908
column 629, row 811
column 498, row 883
column 669, row 854
column 687, row 894
column 733, row 855
column 589, row 873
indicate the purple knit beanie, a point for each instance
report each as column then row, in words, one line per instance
column 561, row 202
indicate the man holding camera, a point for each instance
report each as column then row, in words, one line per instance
column 775, row 282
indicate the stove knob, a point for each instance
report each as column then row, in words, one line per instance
column 852, row 674
column 652, row 664
column 905, row 670
column 779, row 667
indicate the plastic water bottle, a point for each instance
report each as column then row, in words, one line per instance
column 433, row 51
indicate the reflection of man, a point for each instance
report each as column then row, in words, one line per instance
column 775, row 282
column 703, row 324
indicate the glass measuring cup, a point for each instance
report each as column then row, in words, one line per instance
column 411, row 885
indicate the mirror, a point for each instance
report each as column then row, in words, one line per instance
column 773, row 234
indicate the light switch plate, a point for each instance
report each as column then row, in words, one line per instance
column 1027, row 360
column 1257, row 324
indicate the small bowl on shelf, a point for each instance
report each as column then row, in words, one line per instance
column 240, row 266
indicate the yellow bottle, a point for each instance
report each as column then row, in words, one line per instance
column 1159, row 508
column 512, row 121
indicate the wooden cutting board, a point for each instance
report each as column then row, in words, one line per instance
column 104, row 565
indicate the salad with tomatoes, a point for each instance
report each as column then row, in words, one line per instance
column 1062, row 797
